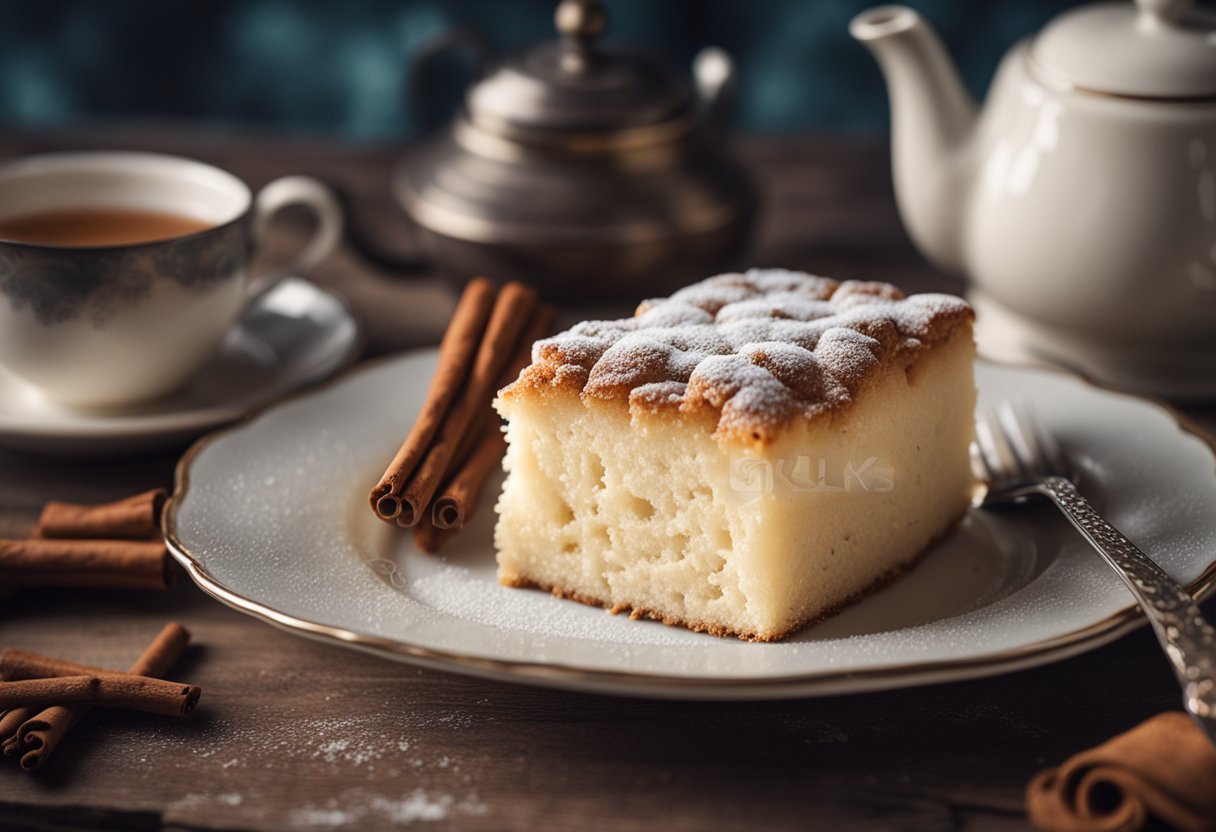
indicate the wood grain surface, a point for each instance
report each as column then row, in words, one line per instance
column 291, row 734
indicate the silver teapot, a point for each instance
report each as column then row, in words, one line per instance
column 588, row 170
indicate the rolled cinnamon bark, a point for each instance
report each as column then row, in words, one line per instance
column 541, row 325
column 17, row 664
column 1159, row 775
column 41, row 733
column 134, row 518
column 430, row 539
column 457, row 504
column 453, row 507
column 133, row 564
column 513, row 312
column 10, row 722
column 486, row 449
column 137, row 693
column 456, row 352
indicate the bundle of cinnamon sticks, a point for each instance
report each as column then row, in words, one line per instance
column 456, row 442
column 46, row 697
column 115, row 545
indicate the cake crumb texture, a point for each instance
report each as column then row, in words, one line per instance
column 696, row 464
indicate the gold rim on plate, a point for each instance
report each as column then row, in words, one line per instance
column 550, row 673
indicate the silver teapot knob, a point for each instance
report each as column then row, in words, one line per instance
column 717, row 84
column 581, row 22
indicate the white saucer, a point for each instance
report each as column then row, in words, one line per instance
column 1160, row 371
column 271, row 517
column 295, row 336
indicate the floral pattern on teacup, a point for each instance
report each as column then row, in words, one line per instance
column 57, row 285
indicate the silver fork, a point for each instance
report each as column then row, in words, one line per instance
column 1018, row 460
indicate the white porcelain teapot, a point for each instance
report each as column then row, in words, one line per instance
column 1081, row 199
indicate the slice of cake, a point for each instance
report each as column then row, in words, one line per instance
column 742, row 458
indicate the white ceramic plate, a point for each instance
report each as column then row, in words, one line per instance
column 271, row 517
column 296, row 335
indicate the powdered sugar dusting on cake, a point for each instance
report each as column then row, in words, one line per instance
column 757, row 349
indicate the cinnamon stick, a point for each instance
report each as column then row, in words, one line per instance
column 1158, row 775
column 42, row 732
column 512, row 313
column 10, row 723
column 454, row 501
column 134, row 518
column 17, row 664
column 458, row 501
column 468, row 442
column 138, row 693
column 430, row 539
column 136, row 564
column 453, row 507
column 456, row 351
column 540, row 326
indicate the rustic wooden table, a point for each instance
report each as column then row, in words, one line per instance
column 297, row 735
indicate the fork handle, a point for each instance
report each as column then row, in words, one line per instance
column 1188, row 639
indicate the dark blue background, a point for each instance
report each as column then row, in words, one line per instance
column 337, row 67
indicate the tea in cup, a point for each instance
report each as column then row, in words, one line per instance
column 121, row 273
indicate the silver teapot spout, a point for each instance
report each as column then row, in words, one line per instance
column 932, row 122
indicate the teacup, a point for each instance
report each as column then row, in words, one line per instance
column 107, row 326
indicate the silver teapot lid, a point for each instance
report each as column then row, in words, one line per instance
column 579, row 87
column 1159, row 49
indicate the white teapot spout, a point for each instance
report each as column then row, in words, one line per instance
column 932, row 121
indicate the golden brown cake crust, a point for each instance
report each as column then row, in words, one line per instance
column 751, row 351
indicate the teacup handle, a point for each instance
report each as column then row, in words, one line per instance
column 295, row 190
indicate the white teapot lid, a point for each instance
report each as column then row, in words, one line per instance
column 1149, row 49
